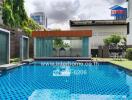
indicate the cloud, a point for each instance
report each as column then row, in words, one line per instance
column 59, row 12
column 116, row 1
column 94, row 10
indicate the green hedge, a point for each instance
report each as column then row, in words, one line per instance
column 129, row 53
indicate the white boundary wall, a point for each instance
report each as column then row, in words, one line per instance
column 129, row 37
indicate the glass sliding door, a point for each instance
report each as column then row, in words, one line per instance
column 61, row 47
column 4, row 47
column 43, row 47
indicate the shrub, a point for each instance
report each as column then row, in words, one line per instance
column 129, row 53
column 113, row 39
column 14, row 60
column 107, row 41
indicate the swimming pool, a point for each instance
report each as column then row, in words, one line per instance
column 66, row 80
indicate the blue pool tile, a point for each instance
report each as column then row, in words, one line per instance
column 66, row 82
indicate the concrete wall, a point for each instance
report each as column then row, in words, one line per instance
column 101, row 32
column 15, row 38
column 15, row 45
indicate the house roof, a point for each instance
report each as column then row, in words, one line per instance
column 117, row 7
column 78, row 23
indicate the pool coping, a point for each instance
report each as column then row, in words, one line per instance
column 130, row 70
column 63, row 58
column 9, row 66
column 12, row 66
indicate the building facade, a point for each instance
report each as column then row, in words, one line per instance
column 101, row 29
column 129, row 37
column 118, row 12
column 40, row 18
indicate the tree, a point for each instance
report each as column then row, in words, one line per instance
column 107, row 41
column 19, row 12
column 113, row 39
column 30, row 25
column 58, row 43
column 14, row 16
column 14, row 13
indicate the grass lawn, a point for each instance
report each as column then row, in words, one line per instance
column 124, row 62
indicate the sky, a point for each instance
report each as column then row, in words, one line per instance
column 59, row 12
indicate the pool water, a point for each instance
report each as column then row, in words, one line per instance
column 65, row 80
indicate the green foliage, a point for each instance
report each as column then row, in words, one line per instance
column 112, row 39
column 66, row 45
column 8, row 18
column 107, row 41
column 129, row 53
column 14, row 15
column 15, row 60
column 27, row 30
column 115, row 39
column 33, row 25
column 30, row 25
column 59, row 43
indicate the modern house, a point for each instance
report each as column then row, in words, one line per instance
column 129, row 37
column 43, row 43
column 118, row 12
column 101, row 29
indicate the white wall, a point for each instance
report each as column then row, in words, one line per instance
column 101, row 32
column 129, row 39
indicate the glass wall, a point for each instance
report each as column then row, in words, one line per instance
column 24, row 49
column 85, row 47
column 61, row 47
column 43, row 47
column 4, row 47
